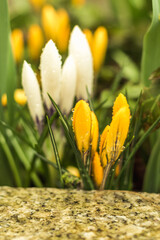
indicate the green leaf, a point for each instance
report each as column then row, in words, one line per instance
column 151, row 49
column 152, row 174
column 54, row 145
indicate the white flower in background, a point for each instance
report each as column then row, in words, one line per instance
column 68, row 85
column 32, row 92
column 80, row 50
column 50, row 67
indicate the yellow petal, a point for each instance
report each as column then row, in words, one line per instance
column 102, row 145
column 120, row 102
column 20, row 97
column 35, row 41
column 82, row 125
column 89, row 37
column 97, row 170
column 94, row 133
column 63, row 30
column 17, row 43
column 37, row 4
column 100, row 43
column 49, row 20
column 117, row 133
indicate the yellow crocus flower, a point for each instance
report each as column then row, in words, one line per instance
column 94, row 132
column 49, row 20
column 102, row 145
column 19, row 97
column 89, row 37
column 37, row 4
column 82, row 125
column 78, row 3
column 120, row 102
column 100, row 43
column 97, row 170
column 63, row 30
column 35, row 41
column 17, row 43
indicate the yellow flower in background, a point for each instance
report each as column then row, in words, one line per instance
column 35, row 41
column 74, row 171
column 98, row 43
column 97, row 170
column 19, row 97
column 78, row 3
column 49, row 20
column 37, row 4
column 82, row 125
column 94, row 132
column 63, row 30
column 17, row 43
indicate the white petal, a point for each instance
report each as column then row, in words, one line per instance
column 80, row 50
column 32, row 92
column 68, row 85
column 50, row 73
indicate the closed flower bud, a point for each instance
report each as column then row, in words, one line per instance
column 4, row 100
column 82, row 125
column 63, row 30
column 94, row 133
column 32, row 92
column 35, row 41
column 102, row 145
column 68, row 85
column 80, row 50
column 97, row 170
column 50, row 66
column 49, row 20
column 117, row 133
column 120, row 102
column 74, row 171
column 17, row 43
column 89, row 37
column 100, row 43
column 37, row 4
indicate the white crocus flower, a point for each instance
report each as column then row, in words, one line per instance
column 80, row 50
column 32, row 92
column 50, row 67
column 68, row 85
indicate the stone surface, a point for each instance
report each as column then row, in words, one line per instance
column 48, row 213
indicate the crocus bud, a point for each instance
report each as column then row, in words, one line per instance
column 17, row 43
column 37, row 4
column 50, row 66
column 32, row 92
column 74, row 171
column 102, row 145
column 89, row 37
column 82, row 126
column 68, row 85
column 4, row 100
column 80, row 50
column 97, row 170
column 100, row 43
column 94, row 133
column 49, row 20
column 63, row 30
column 35, row 41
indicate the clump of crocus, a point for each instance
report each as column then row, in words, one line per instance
column 65, row 83
column 98, row 43
column 56, row 26
column 17, row 43
column 85, row 127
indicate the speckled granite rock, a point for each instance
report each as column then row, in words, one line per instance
column 37, row 214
